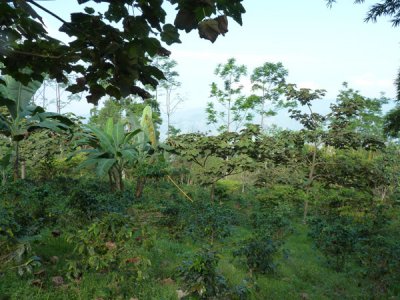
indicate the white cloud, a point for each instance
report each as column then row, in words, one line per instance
column 372, row 85
column 308, row 85
column 370, row 80
column 243, row 57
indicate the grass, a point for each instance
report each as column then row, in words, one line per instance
column 304, row 274
column 301, row 274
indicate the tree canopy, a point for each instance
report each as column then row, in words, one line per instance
column 115, row 60
column 390, row 8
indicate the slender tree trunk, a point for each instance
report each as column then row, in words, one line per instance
column 212, row 192
column 305, row 209
column 140, row 183
column 243, row 182
column 119, row 183
column 16, row 161
column 4, row 179
column 228, row 125
column 58, row 98
column 383, row 194
column 310, row 182
column 23, row 169
column 262, row 108
column 168, row 108
column 110, row 178
column 168, row 125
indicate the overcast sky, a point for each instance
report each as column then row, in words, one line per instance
column 320, row 47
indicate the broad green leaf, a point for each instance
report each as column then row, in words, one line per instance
column 104, row 139
column 108, row 129
column 170, row 34
column 104, row 165
column 60, row 118
column 148, row 126
column 48, row 124
column 129, row 154
column 5, row 160
column 118, row 134
column 130, row 135
column 87, row 163
column 20, row 94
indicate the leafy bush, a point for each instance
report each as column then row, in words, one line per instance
column 211, row 221
column 378, row 251
column 199, row 219
column 336, row 237
column 259, row 252
column 100, row 244
column 201, row 277
column 379, row 257
column 273, row 211
column 224, row 189
column 22, row 208
column 274, row 221
column 91, row 199
column 173, row 213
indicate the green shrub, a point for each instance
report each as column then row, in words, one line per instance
column 108, row 244
column 273, row 211
column 200, row 219
column 211, row 221
column 378, row 251
column 224, row 189
column 259, row 252
column 201, row 277
column 23, row 207
column 336, row 237
column 92, row 199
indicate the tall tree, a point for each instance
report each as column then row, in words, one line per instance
column 168, row 86
column 356, row 121
column 236, row 106
column 53, row 92
column 313, row 132
column 111, row 109
column 210, row 154
column 268, row 80
column 392, row 118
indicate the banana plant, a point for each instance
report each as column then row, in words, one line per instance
column 112, row 150
column 19, row 117
column 150, row 151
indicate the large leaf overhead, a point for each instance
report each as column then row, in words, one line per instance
column 17, row 96
column 208, row 29
column 22, row 115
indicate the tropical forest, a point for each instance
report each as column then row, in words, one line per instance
column 121, row 202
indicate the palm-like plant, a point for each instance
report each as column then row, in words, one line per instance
column 19, row 116
column 148, row 147
column 112, row 150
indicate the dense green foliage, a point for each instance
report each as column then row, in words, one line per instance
column 65, row 233
column 108, row 211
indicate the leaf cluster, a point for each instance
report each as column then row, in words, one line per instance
column 106, row 58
